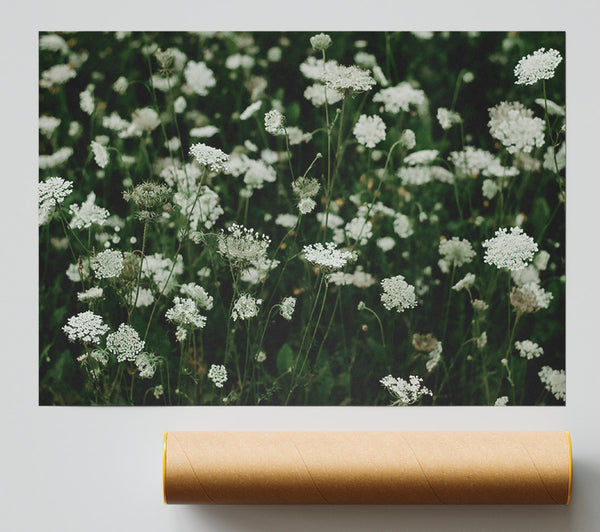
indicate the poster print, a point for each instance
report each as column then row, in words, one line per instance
column 302, row 218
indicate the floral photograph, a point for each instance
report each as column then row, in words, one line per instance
column 302, row 218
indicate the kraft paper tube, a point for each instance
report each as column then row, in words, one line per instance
column 367, row 467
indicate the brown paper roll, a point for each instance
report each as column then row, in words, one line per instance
column 367, row 467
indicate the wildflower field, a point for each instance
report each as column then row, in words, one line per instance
column 302, row 218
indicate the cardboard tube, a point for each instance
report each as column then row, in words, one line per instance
column 367, row 467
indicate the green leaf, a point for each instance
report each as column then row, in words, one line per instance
column 285, row 358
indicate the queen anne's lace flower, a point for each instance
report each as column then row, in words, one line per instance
column 529, row 350
column 57, row 75
column 250, row 110
column 530, row 298
column 185, row 313
column 87, row 214
column 421, row 157
column 466, row 282
column 218, row 374
column 242, row 245
column 515, row 126
column 456, row 251
column 86, row 327
column 198, row 294
column 107, row 264
column 145, row 119
column 274, row 122
column 245, row 307
column 146, row 364
column 209, row 157
column 555, row 381
column 327, row 257
column 471, row 161
column 52, row 192
column 501, row 401
column 288, row 304
column 369, row 130
column 100, row 154
column 433, row 357
column 447, row 118
column 386, row 243
column 405, row 393
column 322, row 41
column 540, row 65
column 95, row 292
column 199, row 77
column 402, row 96
column 398, row 294
column 125, row 344
column 512, row 251
column 347, row 79
column 316, row 94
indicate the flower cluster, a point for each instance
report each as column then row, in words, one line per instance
column 242, row 245
column 400, row 97
column 125, row 344
column 107, row 264
column 184, row 313
column 274, row 122
column 245, row 307
column 199, row 77
column 51, row 193
column 209, row 157
column 529, row 298
column 515, row 126
column 218, row 374
column 405, row 392
column 512, row 251
column 529, row 350
column 88, row 214
column 456, row 251
column 555, row 381
column 86, row 327
column 327, row 257
column 287, row 306
column 369, row 130
column 347, row 79
column 398, row 294
column 539, row 65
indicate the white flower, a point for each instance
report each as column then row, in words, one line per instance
column 274, row 122
column 107, row 264
column 561, row 159
column 52, row 192
column 198, row 294
column 530, row 297
column 447, row 118
column 146, row 365
column 218, row 374
column 250, row 110
column 512, row 251
column 398, row 294
column 386, row 243
column 402, row 96
column 456, row 251
column 515, row 127
column 57, row 158
column 322, row 41
column 540, row 65
column 209, row 157
column 434, row 357
column 261, row 356
column 158, row 391
column 145, row 119
column 245, row 307
column 306, row 205
column 316, row 94
column 185, row 313
column 347, row 79
column 402, row 226
column 541, row 260
column 555, row 381
column 199, row 77
column 529, row 274
column 529, row 350
column 95, row 292
column 48, row 124
column 466, row 282
column 405, row 393
column 471, row 161
column 369, row 130
column 57, row 75
column 286, row 220
column 53, row 43
column 86, row 327
column 421, row 157
column 327, row 257
column 86, row 102
column 408, row 139
column 100, row 154
column 242, row 245
column 297, row 136
column 125, row 344
column 501, row 401
column 120, row 85
column 288, row 304
column 489, row 188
